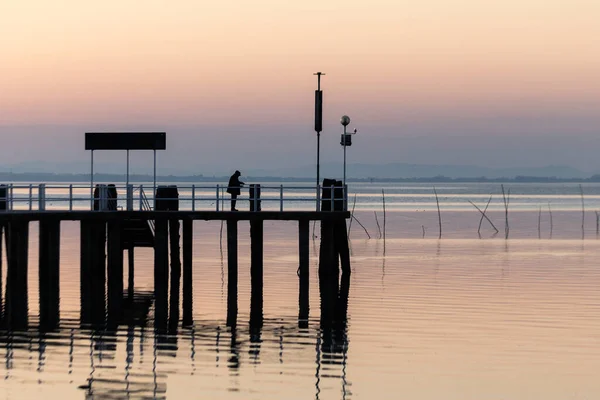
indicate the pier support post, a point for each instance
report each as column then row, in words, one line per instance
column 175, row 274
column 188, row 239
column 303, row 271
column 93, row 272
column 49, row 273
column 1, row 285
column 16, row 278
column 130, row 272
column 115, row 271
column 256, row 273
column 161, row 274
column 232, row 272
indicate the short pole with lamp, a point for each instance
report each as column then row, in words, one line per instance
column 346, row 140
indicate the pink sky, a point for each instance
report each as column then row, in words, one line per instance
column 389, row 63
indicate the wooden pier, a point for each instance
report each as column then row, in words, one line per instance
column 116, row 218
column 105, row 235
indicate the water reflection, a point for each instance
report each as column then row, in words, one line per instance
column 108, row 361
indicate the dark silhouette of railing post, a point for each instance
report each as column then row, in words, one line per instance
column 49, row 273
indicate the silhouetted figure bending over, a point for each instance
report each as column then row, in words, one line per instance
column 233, row 188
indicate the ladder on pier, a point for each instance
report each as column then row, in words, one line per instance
column 138, row 232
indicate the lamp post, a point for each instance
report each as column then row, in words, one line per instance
column 346, row 140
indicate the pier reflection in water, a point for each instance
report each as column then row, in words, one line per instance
column 108, row 353
column 135, row 361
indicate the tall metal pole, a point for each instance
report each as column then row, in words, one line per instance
column 344, row 141
column 127, row 168
column 318, row 126
column 92, row 183
column 154, row 194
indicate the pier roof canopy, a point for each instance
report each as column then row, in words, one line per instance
column 125, row 141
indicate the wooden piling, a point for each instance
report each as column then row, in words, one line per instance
column 115, row 271
column 161, row 274
column 1, row 285
column 16, row 278
column 85, row 266
column 175, row 273
column 130, row 272
column 232, row 272
column 188, row 239
column 98, row 272
column 256, row 272
column 49, row 273
column 93, row 272
column 328, row 272
column 303, row 271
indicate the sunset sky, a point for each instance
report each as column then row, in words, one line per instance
column 471, row 76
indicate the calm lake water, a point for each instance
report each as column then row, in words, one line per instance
column 463, row 317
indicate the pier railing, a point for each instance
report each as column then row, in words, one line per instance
column 81, row 197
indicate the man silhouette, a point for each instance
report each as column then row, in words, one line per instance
column 233, row 188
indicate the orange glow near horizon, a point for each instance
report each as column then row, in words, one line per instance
column 68, row 61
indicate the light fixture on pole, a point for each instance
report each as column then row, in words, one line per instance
column 346, row 140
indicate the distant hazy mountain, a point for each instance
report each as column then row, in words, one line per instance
column 398, row 170
column 395, row 170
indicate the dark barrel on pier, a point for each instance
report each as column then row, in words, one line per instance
column 254, row 197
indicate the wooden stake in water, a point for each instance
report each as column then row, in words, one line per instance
column 551, row 221
column 483, row 215
column 351, row 216
column 506, row 198
column 383, row 197
column 439, row 213
column 377, row 222
column 540, row 223
column 582, row 213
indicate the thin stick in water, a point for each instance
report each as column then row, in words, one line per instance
column 540, row 223
column 383, row 197
column 483, row 215
column 221, row 238
column 439, row 212
column 551, row 221
column 582, row 213
column 358, row 222
column 506, row 199
column 352, row 216
column 378, row 227
column 423, row 228
column 597, row 223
